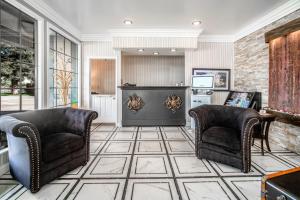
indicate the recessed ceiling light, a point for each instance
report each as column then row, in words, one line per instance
column 173, row 50
column 155, row 53
column 140, row 50
column 127, row 22
column 196, row 23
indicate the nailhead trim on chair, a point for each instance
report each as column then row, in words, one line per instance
column 93, row 116
column 33, row 186
column 247, row 135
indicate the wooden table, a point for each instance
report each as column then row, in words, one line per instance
column 266, row 120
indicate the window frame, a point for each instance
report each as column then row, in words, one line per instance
column 68, row 36
column 38, row 38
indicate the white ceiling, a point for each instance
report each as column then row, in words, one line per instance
column 149, row 52
column 219, row 17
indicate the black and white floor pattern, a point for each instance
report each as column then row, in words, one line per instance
column 151, row 163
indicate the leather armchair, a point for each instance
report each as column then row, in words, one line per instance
column 223, row 134
column 45, row 144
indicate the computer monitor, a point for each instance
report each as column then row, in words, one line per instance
column 203, row 82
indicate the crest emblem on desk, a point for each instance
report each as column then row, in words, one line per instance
column 135, row 103
column 173, row 103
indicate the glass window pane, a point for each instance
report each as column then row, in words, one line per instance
column 60, row 43
column 9, row 53
column 51, row 78
column 52, row 97
column 27, row 27
column 52, row 40
column 17, row 50
column 60, row 61
column 68, row 66
column 9, row 101
column 52, row 59
column 74, row 50
column 27, row 56
column 74, row 65
column 10, row 37
column 10, row 74
column 74, row 80
column 61, row 73
column 28, row 76
column 28, row 99
column 67, row 47
column 74, row 97
column 10, row 17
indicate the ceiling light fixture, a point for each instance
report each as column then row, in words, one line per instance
column 173, row 50
column 196, row 23
column 155, row 53
column 140, row 50
column 127, row 22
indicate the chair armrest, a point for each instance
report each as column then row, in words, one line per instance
column 201, row 115
column 79, row 120
column 23, row 137
column 250, row 118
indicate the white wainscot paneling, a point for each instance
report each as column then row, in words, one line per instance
column 106, row 107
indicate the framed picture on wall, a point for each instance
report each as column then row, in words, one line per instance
column 221, row 77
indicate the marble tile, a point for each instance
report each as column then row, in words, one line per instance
column 8, row 188
column 150, row 166
column 171, row 128
column 100, row 135
column 149, row 147
column 191, row 166
column 132, row 128
column 247, row 188
column 204, row 188
column 118, row 147
column 149, row 135
column 95, row 146
column 226, row 170
column 94, row 126
column 269, row 164
column 273, row 146
column 124, row 135
column 256, row 149
column 6, row 175
column 149, row 128
column 174, row 135
column 180, row 147
column 105, row 128
column 79, row 171
column 111, row 166
column 291, row 158
column 151, row 189
column 98, row 189
column 57, row 189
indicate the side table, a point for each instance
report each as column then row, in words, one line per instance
column 263, row 134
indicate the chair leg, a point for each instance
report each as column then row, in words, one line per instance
column 262, row 145
column 252, row 142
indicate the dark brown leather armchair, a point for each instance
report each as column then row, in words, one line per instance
column 45, row 144
column 223, row 134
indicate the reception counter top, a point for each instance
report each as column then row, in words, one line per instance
column 153, row 105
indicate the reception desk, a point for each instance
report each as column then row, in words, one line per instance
column 153, row 106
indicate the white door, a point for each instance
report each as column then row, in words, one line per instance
column 106, row 106
column 103, row 89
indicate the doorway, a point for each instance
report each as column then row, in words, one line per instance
column 103, row 89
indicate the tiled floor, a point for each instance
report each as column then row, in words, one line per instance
column 145, row 163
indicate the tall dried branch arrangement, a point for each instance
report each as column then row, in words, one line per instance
column 63, row 81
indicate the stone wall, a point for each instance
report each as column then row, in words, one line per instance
column 251, row 73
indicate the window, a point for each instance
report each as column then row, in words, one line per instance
column 17, row 58
column 63, row 71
